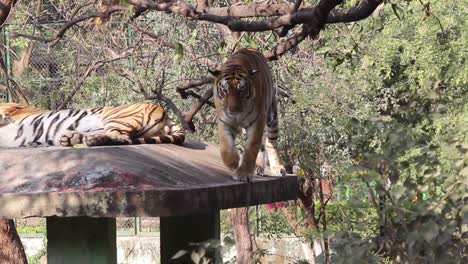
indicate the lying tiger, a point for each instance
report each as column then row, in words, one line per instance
column 244, row 97
column 140, row 123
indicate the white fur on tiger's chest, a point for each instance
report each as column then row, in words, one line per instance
column 240, row 120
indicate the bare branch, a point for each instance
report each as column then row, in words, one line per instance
column 364, row 9
column 315, row 23
column 133, row 78
column 252, row 10
column 181, row 89
column 187, row 50
column 169, row 103
column 286, row 45
column 58, row 36
column 5, row 10
column 286, row 29
column 230, row 16
column 359, row 12
column 188, row 116
column 91, row 68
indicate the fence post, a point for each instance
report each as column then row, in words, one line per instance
column 258, row 220
column 137, row 225
column 6, row 41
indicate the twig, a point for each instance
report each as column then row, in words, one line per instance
column 169, row 103
column 286, row 28
column 181, row 89
column 58, row 36
column 188, row 116
column 91, row 68
column 171, row 45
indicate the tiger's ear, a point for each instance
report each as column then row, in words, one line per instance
column 253, row 72
column 215, row 73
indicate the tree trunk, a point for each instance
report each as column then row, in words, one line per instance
column 240, row 221
column 5, row 9
column 11, row 249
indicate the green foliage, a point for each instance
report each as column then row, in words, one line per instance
column 29, row 230
column 270, row 223
column 389, row 110
column 358, row 217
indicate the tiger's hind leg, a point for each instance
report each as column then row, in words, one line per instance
column 261, row 161
column 270, row 142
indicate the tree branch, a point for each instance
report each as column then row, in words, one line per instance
column 231, row 16
column 286, row 45
column 188, row 116
column 171, row 45
column 58, row 36
column 169, row 103
column 131, row 76
column 286, row 29
column 181, row 89
column 91, row 68
column 364, row 9
column 359, row 12
column 5, row 10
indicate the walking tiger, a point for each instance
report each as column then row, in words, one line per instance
column 245, row 98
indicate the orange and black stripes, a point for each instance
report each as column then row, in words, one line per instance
column 244, row 97
column 126, row 124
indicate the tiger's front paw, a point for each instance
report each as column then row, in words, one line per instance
column 242, row 175
column 279, row 171
column 71, row 138
column 96, row 140
column 244, row 178
column 260, row 171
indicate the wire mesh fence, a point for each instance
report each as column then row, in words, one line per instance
column 126, row 226
column 48, row 72
column 31, row 227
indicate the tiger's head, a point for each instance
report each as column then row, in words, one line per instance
column 11, row 112
column 234, row 87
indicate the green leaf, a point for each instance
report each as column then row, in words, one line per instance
column 194, row 33
column 250, row 41
column 178, row 52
